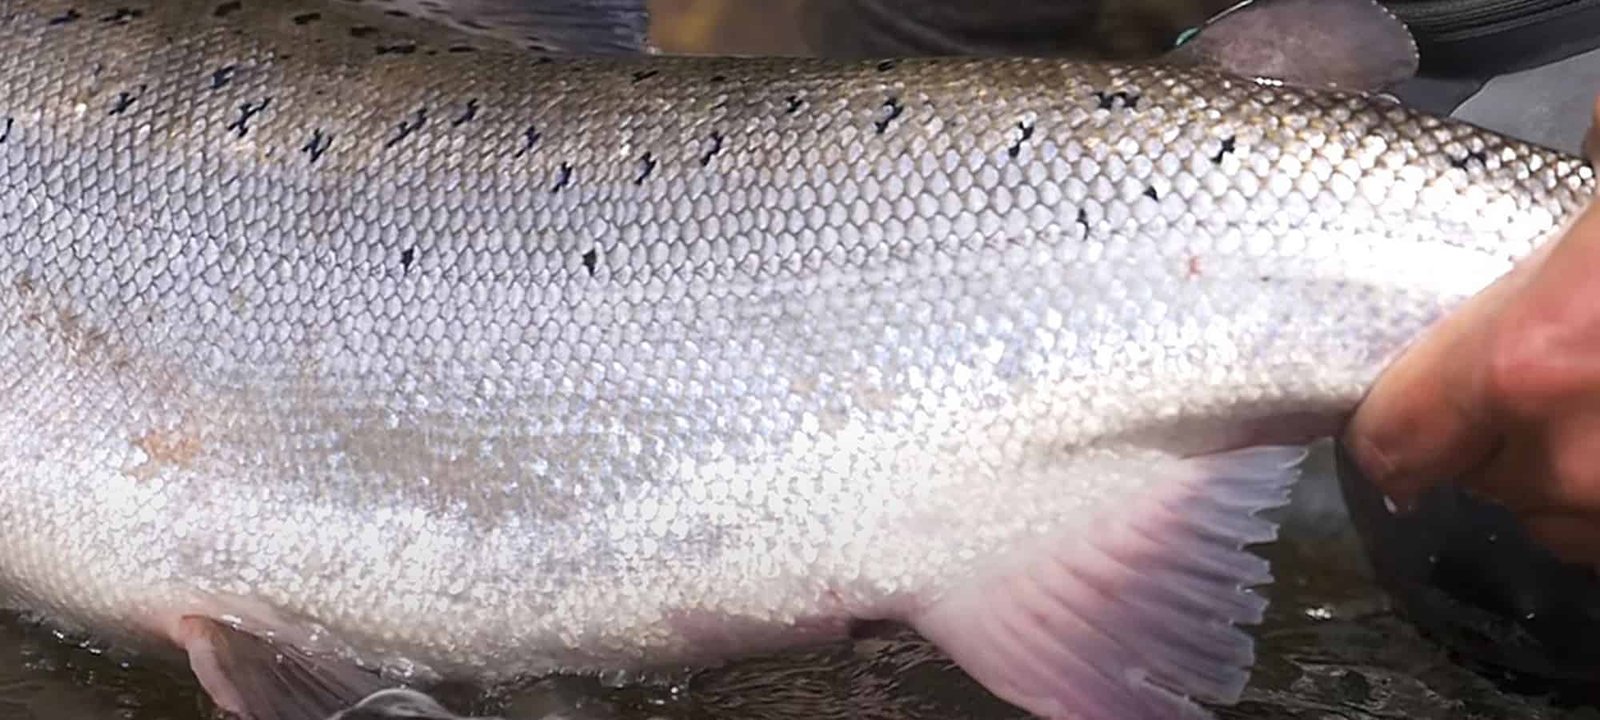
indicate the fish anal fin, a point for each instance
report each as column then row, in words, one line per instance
column 1351, row 44
column 254, row 678
column 1139, row 617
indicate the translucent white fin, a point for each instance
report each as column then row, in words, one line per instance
column 1137, row 618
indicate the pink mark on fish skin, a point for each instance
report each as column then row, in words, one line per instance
column 163, row 447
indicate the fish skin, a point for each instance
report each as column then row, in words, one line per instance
column 476, row 365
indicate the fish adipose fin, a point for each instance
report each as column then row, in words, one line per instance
column 1352, row 44
column 255, row 679
column 1137, row 617
column 589, row 27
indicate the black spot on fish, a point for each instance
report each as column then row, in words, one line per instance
column 317, row 145
column 563, row 178
column 5, row 129
column 468, row 112
column 124, row 100
column 591, row 260
column 530, row 138
column 241, row 124
column 643, row 75
column 1150, row 192
column 400, row 48
column 122, row 15
column 408, row 126
column 1025, row 133
column 228, row 8
column 222, row 76
column 361, row 31
column 647, row 165
column 712, row 151
column 887, row 65
column 397, row 13
column 719, row 78
column 71, row 15
column 461, row 49
column 407, row 256
column 891, row 112
column 1228, row 146
column 1116, row 100
column 795, row 103
column 306, row 18
column 1083, row 221
column 1475, row 156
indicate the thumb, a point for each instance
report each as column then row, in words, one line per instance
column 1427, row 419
column 1591, row 139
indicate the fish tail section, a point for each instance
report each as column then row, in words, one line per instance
column 1138, row 619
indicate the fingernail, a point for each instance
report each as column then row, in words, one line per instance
column 1380, row 470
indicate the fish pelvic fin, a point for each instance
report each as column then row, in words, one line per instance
column 1351, row 44
column 254, row 678
column 1136, row 618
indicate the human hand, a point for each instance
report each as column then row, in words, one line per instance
column 1503, row 395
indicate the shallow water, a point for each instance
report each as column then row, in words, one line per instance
column 1329, row 649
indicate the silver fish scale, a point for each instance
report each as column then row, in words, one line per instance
column 473, row 364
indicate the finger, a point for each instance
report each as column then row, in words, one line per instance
column 1544, row 351
column 1425, row 421
column 1572, row 538
column 1591, row 139
column 1550, row 469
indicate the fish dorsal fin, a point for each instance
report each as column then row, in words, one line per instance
column 1352, row 44
column 569, row 27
